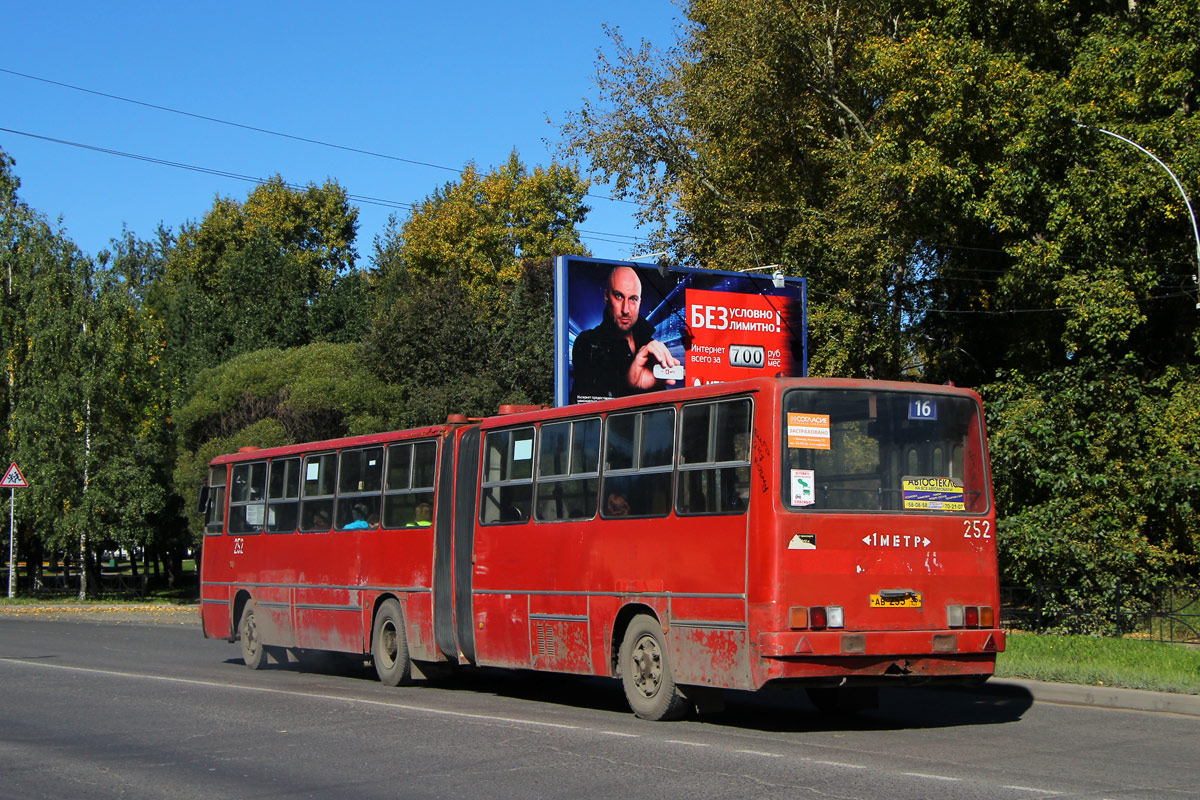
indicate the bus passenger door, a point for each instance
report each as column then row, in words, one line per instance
column 443, row 548
column 454, row 536
column 465, row 491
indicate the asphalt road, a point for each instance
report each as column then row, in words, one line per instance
column 105, row 707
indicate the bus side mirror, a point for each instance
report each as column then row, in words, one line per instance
column 202, row 500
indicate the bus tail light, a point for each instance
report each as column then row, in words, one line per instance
column 816, row 617
column 798, row 617
column 970, row 617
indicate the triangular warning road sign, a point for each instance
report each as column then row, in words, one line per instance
column 13, row 479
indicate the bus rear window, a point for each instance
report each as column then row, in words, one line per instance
column 855, row 450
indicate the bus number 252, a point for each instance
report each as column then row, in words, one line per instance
column 977, row 529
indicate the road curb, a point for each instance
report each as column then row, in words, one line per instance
column 1101, row 696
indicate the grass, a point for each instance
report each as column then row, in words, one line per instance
column 186, row 591
column 1102, row 661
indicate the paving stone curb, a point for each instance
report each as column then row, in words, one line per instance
column 1099, row 696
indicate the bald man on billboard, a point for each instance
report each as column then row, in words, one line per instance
column 617, row 358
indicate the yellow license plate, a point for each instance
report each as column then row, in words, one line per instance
column 903, row 601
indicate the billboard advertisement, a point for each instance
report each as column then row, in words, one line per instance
column 623, row 328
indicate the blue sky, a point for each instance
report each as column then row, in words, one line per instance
column 440, row 83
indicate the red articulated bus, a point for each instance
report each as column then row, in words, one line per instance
column 835, row 535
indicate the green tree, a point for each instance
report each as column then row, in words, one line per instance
column 268, row 272
column 272, row 397
column 85, row 411
column 129, row 502
column 47, row 419
column 47, row 310
column 483, row 226
column 463, row 289
column 920, row 163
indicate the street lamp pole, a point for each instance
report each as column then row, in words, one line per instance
column 1178, row 185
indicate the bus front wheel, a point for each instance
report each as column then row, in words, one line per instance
column 646, row 672
column 254, row 654
column 389, row 645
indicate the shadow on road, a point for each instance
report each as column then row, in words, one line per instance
column 780, row 710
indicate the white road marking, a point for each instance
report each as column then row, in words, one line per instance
column 1031, row 789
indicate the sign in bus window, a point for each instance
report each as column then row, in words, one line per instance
column 320, row 475
column 887, row 451
column 507, row 477
column 320, row 481
column 247, row 497
column 361, row 470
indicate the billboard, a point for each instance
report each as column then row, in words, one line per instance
column 623, row 328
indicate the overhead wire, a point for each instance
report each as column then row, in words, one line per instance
column 399, row 205
column 194, row 168
column 598, row 236
column 257, row 129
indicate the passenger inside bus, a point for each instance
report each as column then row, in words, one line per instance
column 424, row 516
column 319, row 521
column 617, row 505
column 360, row 518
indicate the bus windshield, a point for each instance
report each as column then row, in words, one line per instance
column 862, row 450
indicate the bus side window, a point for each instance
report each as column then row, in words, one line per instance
column 283, row 495
column 507, row 493
column 215, row 520
column 246, row 498
column 639, row 460
column 319, row 484
column 360, row 479
column 568, row 470
column 714, row 459
column 408, row 492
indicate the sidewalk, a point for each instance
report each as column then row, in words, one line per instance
column 1098, row 696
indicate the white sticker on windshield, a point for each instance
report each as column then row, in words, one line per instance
column 803, row 481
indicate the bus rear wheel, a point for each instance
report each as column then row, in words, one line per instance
column 646, row 672
column 389, row 645
column 254, row 653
